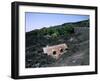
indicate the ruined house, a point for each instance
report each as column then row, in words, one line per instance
column 56, row 50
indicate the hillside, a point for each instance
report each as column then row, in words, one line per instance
column 75, row 35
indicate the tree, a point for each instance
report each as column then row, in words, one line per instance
column 68, row 29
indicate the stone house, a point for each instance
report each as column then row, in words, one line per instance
column 56, row 50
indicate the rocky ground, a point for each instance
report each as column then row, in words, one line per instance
column 77, row 55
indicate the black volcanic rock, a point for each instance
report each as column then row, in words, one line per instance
column 75, row 35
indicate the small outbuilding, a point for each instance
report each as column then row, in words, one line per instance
column 56, row 50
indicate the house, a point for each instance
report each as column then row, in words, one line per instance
column 56, row 50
